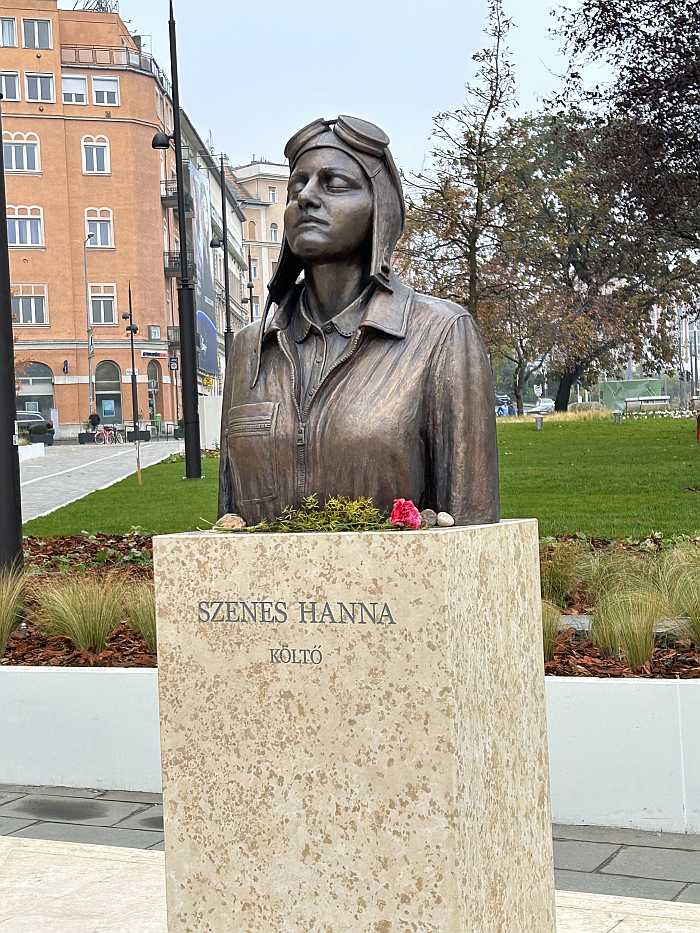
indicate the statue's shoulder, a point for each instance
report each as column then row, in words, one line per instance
column 440, row 312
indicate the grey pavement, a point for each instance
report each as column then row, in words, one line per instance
column 70, row 471
column 591, row 859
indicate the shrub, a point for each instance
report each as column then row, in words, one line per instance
column 141, row 612
column 85, row 610
column 12, row 587
column 550, row 627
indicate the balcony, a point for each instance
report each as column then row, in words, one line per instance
column 171, row 264
column 168, row 196
column 91, row 56
column 173, row 339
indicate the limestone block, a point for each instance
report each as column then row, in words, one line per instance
column 353, row 732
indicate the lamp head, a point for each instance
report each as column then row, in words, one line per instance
column 161, row 140
column 217, row 243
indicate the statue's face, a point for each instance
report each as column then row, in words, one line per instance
column 329, row 207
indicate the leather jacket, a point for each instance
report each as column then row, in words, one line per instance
column 407, row 412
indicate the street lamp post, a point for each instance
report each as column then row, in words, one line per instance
column 228, row 335
column 250, row 285
column 90, row 331
column 11, row 500
column 185, row 290
column 132, row 330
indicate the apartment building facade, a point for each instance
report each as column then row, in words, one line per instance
column 91, row 212
column 263, row 195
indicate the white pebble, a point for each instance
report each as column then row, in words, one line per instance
column 445, row 520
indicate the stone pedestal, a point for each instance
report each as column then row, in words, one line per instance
column 353, row 732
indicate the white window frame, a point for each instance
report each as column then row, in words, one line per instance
column 40, row 74
column 99, row 215
column 253, row 269
column 37, row 19
column 274, row 233
column 271, row 194
column 18, row 83
column 75, row 103
column 4, row 19
column 27, row 212
column 32, row 292
column 101, row 290
column 94, row 90
column 96, row 141
column 15, row 139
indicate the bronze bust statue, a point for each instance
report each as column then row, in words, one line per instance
column 352, row 383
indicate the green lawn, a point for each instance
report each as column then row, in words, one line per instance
column 596, row 477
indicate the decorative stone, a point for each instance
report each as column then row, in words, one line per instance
column 428, row 518
column 231, row 522
column 348, row 742
column 445, row 520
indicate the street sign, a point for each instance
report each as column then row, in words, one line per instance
column 174, row 365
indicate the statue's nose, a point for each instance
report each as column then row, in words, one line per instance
column 308, row 196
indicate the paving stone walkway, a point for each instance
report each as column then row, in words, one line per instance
column 69, row 471
column 590, row 859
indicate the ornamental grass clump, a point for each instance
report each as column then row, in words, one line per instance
column 687, row 605
column 12, row 589
column 85, row 610
column 615, row 571
column 625, row 624
column 141, row 612
column 550, row 627
column 560, row 571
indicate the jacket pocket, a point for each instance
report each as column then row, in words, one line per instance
column 250, row 436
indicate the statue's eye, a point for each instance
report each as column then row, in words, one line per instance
column 337, row 183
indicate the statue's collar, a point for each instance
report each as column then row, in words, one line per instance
column 386, row 311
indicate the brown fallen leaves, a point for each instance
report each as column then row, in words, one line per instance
column 578, row 657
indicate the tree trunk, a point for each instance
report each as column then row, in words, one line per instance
column 561, row 401
column 519, row 387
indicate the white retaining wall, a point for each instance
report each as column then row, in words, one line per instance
column 623, row 752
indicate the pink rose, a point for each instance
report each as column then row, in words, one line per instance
column 405, row 514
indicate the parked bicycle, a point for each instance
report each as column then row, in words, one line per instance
column 109, row 434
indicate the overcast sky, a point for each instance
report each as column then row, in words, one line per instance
column 254, row 72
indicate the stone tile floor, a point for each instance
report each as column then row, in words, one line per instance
column 589, row 859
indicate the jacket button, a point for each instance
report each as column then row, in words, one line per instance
column 328, row 328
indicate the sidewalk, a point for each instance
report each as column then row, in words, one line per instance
column 69, row 472
column 596, row 860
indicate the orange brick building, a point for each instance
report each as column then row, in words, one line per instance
column 91, row 208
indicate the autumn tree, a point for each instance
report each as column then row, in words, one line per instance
column 453, row 208
column 574, row 226
column 652, row 104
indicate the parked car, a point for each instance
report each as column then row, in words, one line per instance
column 40, row 430
column 545, row 406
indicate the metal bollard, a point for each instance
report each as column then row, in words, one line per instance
column 617, row 417
column 539, row 421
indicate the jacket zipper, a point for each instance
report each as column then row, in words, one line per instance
column 300, row 433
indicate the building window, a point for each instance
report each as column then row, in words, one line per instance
column 272, row 195
column 274, row 234
column 108, row 392
column 39, row 87
column 29, row 304
column 256, row 308
column 9, row 85
column 103, row 300
column 251, row 230
column 274, row 267
column 106, row 91
column 74, row 90
column 24, row 226
column 35, row 389
column 253, row 268
column 153, row 332
column 98, row 226
column 37, row 33
column 96, row 159
column 8, row 32
column 20, row 152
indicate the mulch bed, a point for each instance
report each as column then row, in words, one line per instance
column 133, row 552
column 576, row 656
column 28, row 645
